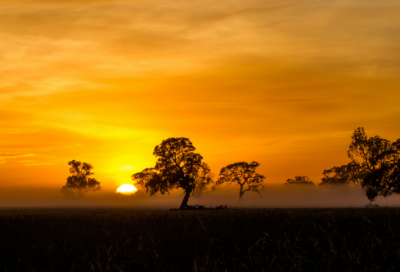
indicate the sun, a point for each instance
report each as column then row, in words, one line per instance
column 126, row 189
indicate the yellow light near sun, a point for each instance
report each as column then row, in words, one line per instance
column 126, row 189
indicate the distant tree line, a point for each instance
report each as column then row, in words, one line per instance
column 374, row 164
column 299, row 180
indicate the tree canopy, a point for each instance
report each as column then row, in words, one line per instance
column 177, row 167
column 369, row 153
column 242, row 173
column 80, row 182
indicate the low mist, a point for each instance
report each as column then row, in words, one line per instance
column 274, row 196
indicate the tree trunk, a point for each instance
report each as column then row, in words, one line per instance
column 185, row 200
column 241, row 193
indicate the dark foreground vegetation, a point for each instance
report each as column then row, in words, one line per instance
column 228, row 240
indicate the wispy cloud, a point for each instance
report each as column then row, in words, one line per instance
column 12, row 156
column 38, row 163
column 4, row 157
column 34, row 162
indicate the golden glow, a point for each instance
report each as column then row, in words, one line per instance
column 284, row 84
column 127, row 168
column 126, row 189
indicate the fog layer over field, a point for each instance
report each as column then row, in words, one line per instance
column 273, row 196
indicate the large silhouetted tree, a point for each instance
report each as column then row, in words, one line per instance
column 80, row 182
column 366, row 155
column 379, row 160
column 369, row 153
column 299, row 180
column 243, row 174
column 374, row 164
column 384, row 179
column 177, row 167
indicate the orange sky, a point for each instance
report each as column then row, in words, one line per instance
column 283, row 83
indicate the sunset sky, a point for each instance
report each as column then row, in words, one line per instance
column 284, row 83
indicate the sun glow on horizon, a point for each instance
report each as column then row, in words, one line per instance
column 126, row 189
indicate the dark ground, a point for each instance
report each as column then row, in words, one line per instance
column 231, row 240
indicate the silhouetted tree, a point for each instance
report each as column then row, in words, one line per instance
column 242, row 173
column 80, row 182
column 348, row 174
column 177, row 167
column 374, row 164
column 366, row 154
column 299, row 180
column 384, row 179
column 369, row 153
column 379, row 159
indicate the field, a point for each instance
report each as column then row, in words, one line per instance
column 231, row 240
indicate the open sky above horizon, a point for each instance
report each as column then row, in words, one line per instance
column 283, row 83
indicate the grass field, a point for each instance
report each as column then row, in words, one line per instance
column 231, row 240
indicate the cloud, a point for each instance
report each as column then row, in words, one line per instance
column 4, row 157
column 142, row 38
column 38, row 163
column 34, row 163
column 12, row 156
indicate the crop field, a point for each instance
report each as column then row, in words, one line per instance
column 230, row 240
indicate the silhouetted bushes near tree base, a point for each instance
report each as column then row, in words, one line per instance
column 240, row 240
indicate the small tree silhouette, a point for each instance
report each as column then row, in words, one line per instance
column 299, row 180
column 177, row 167
column 80, row 183
column 242, row 173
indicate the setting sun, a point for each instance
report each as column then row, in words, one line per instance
column 126, row 189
